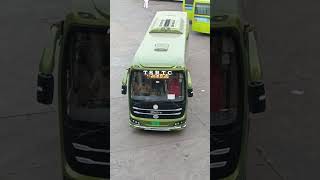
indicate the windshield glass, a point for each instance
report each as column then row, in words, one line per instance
column 189, row 1
column 202, row 9
column 224, row 79
column 88, row 77
column 157, row 85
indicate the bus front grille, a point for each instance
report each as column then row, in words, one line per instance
column 87, row 152
column 163, row 111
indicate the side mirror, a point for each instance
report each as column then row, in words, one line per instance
column 190, row 92
column 124, row 89
column 45, row 88
column 257, row 97
column 45, row 78
column 124, row 82
column 189, row 81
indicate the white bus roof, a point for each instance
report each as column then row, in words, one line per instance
column 164, row 44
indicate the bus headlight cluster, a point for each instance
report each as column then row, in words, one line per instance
column 134, row 121
column 179, row 123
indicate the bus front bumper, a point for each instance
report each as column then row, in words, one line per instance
column 162, row 125
column 234, row 176
column 70, row 174
column 173, row 128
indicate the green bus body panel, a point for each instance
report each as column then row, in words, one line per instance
column 201, row 1
column 189, row 12
column 202, row 27
column 147, row 57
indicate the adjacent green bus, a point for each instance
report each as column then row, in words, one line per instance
column 201, row 16
column 81, row 51
column 187, row 6
column 158, row 81
column 237, row 88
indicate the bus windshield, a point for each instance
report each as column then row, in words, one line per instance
column 202, row 9
column 88, row 77
column 189, row 1
column 157, row 86
column 225, row 78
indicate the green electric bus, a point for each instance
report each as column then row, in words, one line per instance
column 237, row 89
column 80, row 50
column 201, row 16
column 158, row 80
column 187, row 6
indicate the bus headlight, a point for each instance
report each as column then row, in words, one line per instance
column 134, row 121
column 179, row 123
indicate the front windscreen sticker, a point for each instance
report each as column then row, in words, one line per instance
column 157, row 74
column 171, row 96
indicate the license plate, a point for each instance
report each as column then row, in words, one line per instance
column 155, row 123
